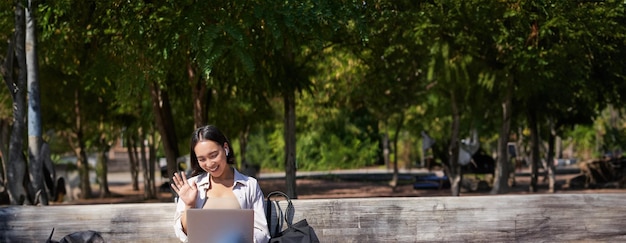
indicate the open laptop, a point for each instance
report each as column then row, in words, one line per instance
column 220, row 225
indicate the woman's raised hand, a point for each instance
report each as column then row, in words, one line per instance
column 186, row 191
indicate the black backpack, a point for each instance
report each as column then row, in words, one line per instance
column 88, row 236
column 300, row 232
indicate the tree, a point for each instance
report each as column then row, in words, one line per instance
column 35, row 141
column 7, row 25
column 460, row 71
column 552, row 72
column 395, row 58
column 287, row 36
column 452, row 72
column 336, row 128
column 76, row 60
column 148, row 46
column 16, row 169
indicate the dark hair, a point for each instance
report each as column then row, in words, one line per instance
column 208, row 133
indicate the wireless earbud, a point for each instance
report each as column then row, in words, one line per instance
column 226, row 151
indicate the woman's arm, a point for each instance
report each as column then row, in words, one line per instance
column 261, row 232
column 188, row 196
column 180, row 221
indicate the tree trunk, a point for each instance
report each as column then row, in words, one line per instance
column 152, row 157
column 131, row 142
column 522, row 155
column 165, row 124
column 394, row 178
column 102, row 169
column 199, row 95
column 290, row 142
column 454, row 172
column 16, row 171
column 454, row 169
column 243, row 143
column 82, row 162
column 49, row 173
column 6, row 69
column 83, row 168
column 148, row 179
column 38, row 191
column 386, row 149
column 5, row 134
column 250, row 169
column 550, row 160
column 503, row 166
column 534, row 146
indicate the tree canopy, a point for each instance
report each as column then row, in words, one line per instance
column 344, row 83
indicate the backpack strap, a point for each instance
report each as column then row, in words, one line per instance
column 280, row 214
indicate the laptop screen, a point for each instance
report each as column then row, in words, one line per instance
column 220, row 225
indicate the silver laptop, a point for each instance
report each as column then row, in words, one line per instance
column 220, row 225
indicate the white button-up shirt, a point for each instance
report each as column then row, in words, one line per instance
column 248, row 193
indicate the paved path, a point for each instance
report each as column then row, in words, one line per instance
column 124, row 177
column 366, row 173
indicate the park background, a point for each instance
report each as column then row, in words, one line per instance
column 306, row 86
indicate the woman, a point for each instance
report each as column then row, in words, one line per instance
column 213, row 177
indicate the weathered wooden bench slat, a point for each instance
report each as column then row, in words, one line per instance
column 116, row 222
column 508, row 218
column 527, row 218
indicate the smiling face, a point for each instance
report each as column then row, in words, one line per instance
column 212, row 157
column 216, row 142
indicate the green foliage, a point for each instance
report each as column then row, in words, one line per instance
column 584, row 140
column 333, row 147
column 614, row 140
column 328, row 151
column 265, row 148
column 7, row 25
column 368, row 65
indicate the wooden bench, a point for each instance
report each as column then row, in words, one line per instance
column 507, row 218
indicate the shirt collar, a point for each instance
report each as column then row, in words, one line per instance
column 204, row 182
column 240, row 178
